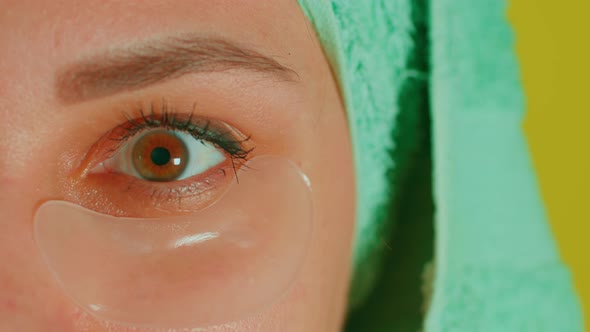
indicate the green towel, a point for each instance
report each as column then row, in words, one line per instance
column 497, row 266
column 373, row 75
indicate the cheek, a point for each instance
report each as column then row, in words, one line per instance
column 334, row 193
column 28, row 295
column 329, row 165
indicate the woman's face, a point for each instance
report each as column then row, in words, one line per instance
column 71, row 70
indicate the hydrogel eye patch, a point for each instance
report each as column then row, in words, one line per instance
column 223, row 263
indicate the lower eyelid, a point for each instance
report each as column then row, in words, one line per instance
column 125, row 196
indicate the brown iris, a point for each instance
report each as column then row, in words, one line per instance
column 160, row 156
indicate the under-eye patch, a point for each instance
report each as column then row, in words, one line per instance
column 219, row 264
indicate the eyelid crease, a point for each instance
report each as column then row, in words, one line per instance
column 141, row 65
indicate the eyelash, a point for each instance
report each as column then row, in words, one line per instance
column 122, row 195
column 163, row 116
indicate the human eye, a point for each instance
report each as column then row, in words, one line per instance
column 164, row 155
column 174, row 160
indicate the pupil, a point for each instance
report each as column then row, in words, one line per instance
column 160, row 156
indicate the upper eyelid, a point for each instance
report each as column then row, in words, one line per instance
column 165, row 116
column 157, row 61
column 168, row 117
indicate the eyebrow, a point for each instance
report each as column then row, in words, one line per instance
column 156, row 61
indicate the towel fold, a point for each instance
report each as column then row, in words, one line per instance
column 497, row 265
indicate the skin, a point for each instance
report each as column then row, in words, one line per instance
column 43, row 139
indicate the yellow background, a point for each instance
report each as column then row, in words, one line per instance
column 554, row 53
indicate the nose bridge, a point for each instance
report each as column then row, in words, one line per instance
column 20, row 137
column 14, row 154
column 24, row 103
column 17, row 202
column 22, row 180
column 12, row 133
column 19, row 182
column 28, row 122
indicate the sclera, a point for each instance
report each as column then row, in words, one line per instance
column 226, row 262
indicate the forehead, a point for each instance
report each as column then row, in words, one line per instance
column 82, row 22
column 36, row 37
